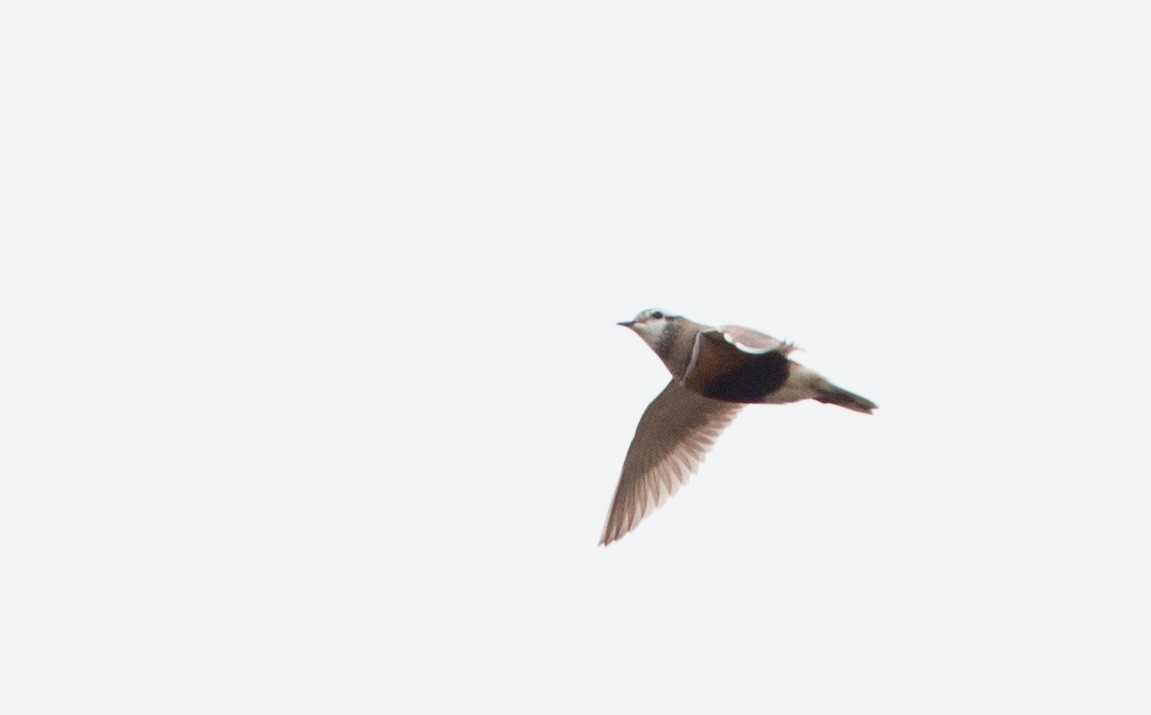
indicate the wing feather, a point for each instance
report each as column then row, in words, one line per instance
column 753, row 341
column 674, row 434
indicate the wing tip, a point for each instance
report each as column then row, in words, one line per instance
column 611, row 535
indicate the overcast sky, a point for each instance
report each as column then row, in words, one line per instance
column 313, row 398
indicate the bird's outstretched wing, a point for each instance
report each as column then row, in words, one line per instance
column 674, row 434
column 752, row 341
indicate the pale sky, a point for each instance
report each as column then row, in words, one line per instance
column 313, row 398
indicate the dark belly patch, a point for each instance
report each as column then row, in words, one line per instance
column 750, row 380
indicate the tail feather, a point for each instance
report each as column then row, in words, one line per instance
column 832, row 395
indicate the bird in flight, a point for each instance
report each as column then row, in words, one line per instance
column 714, row 373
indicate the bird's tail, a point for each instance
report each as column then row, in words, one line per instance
column 832, row 395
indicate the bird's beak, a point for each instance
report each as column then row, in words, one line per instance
column 626, row 323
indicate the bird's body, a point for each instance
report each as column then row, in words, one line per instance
column 715, row 371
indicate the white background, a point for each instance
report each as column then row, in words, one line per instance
column 312, row 398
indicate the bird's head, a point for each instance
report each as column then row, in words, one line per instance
column 655, row 327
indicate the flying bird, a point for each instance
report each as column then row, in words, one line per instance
column 714, row 373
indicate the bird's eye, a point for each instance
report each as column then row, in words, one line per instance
column 657, row 315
